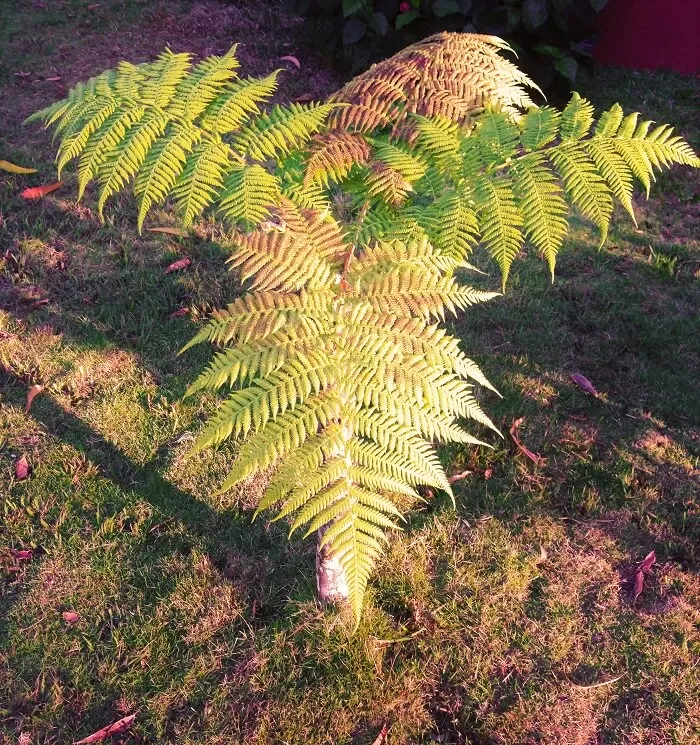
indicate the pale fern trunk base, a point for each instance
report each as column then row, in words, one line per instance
column 331, row 581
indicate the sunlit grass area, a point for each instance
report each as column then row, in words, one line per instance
column 126, row 587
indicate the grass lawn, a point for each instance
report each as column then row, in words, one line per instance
column 510, row 621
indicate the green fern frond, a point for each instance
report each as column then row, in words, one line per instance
column 162, row 167
column 201, row 179
column 542, row 206
column 576, row 119
column 248, row 194
column 120, row 165
column 285, row 128
column 500, row 221
column 584, row 185
column 203, row 85
column 227, row 112
column 539, row 127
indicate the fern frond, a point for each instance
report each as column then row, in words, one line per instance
column 576, row 119
column 120, row 165
column 539, row 127
column 384, row 182
column 162, row 167
column 281, row 261
column 229, row 111
column 584, row 185
column 542, row 206
column 203, row 85
column 500, row 221
column 248, row 194
column 452, row 224
column 258, row 315
column 161, row 78
column 333, row 155
column 104, row 143
column 410, row 166
column 201, row 179
column 286, row 434
column 285, row 128
column 252, row 407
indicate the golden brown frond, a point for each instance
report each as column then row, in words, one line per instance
column 385, row 182
column 448, row 74
column 333, row 155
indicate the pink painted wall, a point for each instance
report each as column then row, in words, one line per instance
column 651, row 34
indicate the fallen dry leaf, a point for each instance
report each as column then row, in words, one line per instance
column 304, row 98
column 54, row 79
column 644, row 568
column 22, row 74
column 23, row 554
column 536, row 459
column 36, row 192
column 291, row 58
column 5, row 165
column 169, row 231
column 111, row 729
column 584, row 384
column 37, row 304
column 22, row 468
column 32, row 393
column 179, row 313
column 459, row 476
column 70, row 616
column 93, row 6
column 381, row 737
column 649, row 561
column 179, row 264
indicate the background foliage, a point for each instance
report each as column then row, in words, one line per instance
column 550, row 35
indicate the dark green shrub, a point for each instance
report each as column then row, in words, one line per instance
column 550, row 35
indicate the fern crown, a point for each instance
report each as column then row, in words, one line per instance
column 349, row 220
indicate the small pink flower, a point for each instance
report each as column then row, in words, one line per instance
column 404, row 7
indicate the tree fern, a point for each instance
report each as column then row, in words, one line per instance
column 350, row 221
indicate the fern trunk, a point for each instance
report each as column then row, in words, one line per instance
column 331, row 580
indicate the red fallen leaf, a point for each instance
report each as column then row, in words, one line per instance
column 638, row 585
column 179, row 313
column 23, row 554
column 584, row 384
column 70, row 616
column 111, row 729
column 649, row 561
column 169, row 231
column 488, row 473
column 304, row 98
column 179, row 264
column 37, row 304
column 525, row 451
column 381, row 737
column 35, row 192
column 644, row 568
column 54, row 79
column 32, row 393
column 22, row 468
column 291, row 58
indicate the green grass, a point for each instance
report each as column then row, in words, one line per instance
column 489, row 625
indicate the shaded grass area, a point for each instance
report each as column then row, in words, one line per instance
column 491, row 624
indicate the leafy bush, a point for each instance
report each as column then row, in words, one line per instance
column 550, row 35
column 350, row 221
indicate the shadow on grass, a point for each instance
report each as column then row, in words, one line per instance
column 218, row 533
